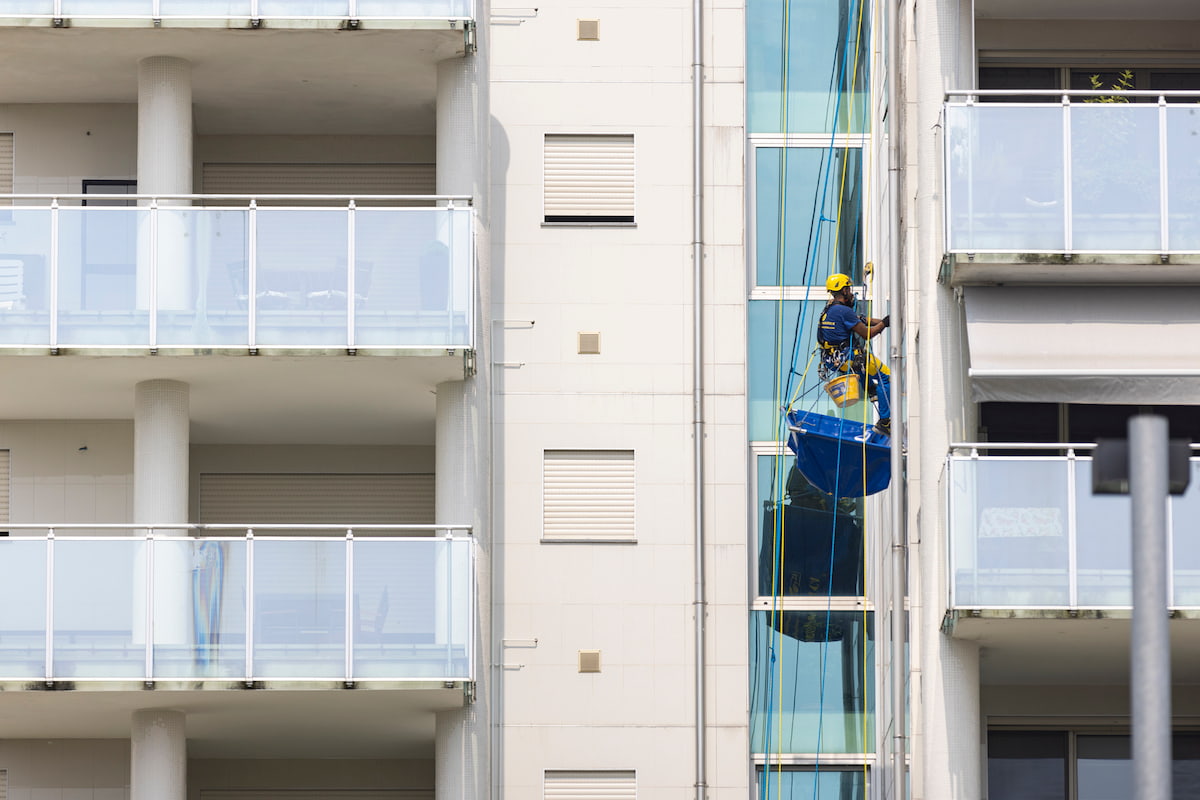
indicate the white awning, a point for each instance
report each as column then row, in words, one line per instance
column 1092, row 344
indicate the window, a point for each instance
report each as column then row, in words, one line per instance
column 1085, row 765
column 6, row 166
column 806, row 783
column 588, row 178
column 588, row 495
column 590, row 785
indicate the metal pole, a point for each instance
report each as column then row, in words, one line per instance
column 1150, row 661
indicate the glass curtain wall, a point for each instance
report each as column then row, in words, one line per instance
column 812, row 659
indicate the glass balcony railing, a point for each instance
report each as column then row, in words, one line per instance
column 231, row 274
column 299, row 604
column 1027, row 532
column 167, row 10
column 1090, row 172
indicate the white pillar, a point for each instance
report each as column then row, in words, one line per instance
column 456, row 123
column 160, row 496
column 457, row 760
column 158, row 756
column 165, row 167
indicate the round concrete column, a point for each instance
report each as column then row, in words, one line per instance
column 456, row 123
column 158, row 756
column 456, row 755
column 165, row 167
column 160, row 452
column 160, row 497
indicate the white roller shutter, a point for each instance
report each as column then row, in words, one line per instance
column 591, row 785
column 6, row 166
column 270, row 498
column 588, row 495
column 5, row 492
column 588, row 178
column 355, row 179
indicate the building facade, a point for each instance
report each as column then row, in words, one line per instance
column 397, row 396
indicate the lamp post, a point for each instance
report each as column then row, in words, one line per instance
column 1147, row 466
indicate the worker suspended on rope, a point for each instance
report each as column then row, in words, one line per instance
column 842, row 335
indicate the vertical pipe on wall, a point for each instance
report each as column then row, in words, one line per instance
column 698, row 388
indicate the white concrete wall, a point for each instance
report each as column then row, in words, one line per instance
column 633, row 285
column 66, row 769
column 55, row 147
column 53, row 480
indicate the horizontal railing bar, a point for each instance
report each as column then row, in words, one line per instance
column 1084, row 373
column 248, row 19
column 1069, row 93
column 1033, row 445
column 232, row 526
column 44, row 196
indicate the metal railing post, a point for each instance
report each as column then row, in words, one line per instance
column 252, row 275
column 149, row 584
column 249, row 604
column 1068, row 204
column 1072, row 533
column 349, row 664
column 350, row 270
column 54, row 265
column 1163, row 194
column 50, row 605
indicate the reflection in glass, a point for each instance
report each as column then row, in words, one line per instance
column 792, row 323
column 1185, row 544
column 22, row 608
column 1115, row 177
column 812, row 679
column 1105, row 771
column 827, row 45
column 199, row 608
column 830, row 783
column 1027, row 765
column 1005, row 188
column 25, row 277
column 1009, row 537
column 299, row 608
column 820, row 203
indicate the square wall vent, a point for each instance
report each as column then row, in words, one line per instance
column 589, row 344
column 589, row 30
column 589, row 660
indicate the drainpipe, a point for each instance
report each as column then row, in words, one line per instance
column 698, row 388
column 899, row 554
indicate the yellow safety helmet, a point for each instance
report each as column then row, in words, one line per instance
column 836, row 282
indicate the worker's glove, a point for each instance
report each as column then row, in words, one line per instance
column 887, row 321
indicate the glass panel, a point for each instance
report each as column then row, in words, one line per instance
column 204, row 8
column 1027, row 765
column 412, row 282
column 441, row 9
column 812, row 682
column 299, row 609
column 1103, row 543
column 199, row 609
column 302, row 277
column 107, row 8
column 1005, row 179
column 98, row 287
column 18, row 7
column 1183, row 177
column 822, row 551
column 22, row 608
column 792, row 323
column 1185, row 768
column 412, row 609
column 100, row 608
column 25, row 276
column 203, row 287
column 831, row 783
column 301, row 9
column 1114, row 177
column 1009, row 536
column 1105, row 770
column 1185, row 544
column 814, row 243
column 824, row 44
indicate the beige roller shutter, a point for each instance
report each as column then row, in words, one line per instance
column 588, row 495
column 3, row 784
column 6, row 167
column 5, row 492
column 271, row 498
column 588, row 178
column 591, row 785
column 356, row 179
